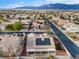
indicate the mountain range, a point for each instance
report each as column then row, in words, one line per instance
column 57, row 6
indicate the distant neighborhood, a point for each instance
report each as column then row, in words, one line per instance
column 35, row 34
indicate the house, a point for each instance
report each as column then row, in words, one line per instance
column 40, row 46
column 10, row 45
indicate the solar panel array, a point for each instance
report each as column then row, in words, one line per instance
column 43, row 41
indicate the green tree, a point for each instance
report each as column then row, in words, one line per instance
column 62, row 17
column 48, row 31
column 58, row 47
column 51, row 57
column 28, row 17
column 17, row 26
column 9, row 26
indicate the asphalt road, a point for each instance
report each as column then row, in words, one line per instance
column 70, row 46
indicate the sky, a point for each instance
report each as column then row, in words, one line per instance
column 20, row 3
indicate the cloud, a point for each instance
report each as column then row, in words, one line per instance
column 20, row 4
column 64, row 1
column 54, row 1
column 73, row 2
column 39, row 2
column 0, row 7
column 43, row 2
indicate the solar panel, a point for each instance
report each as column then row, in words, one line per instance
column 43, row 41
